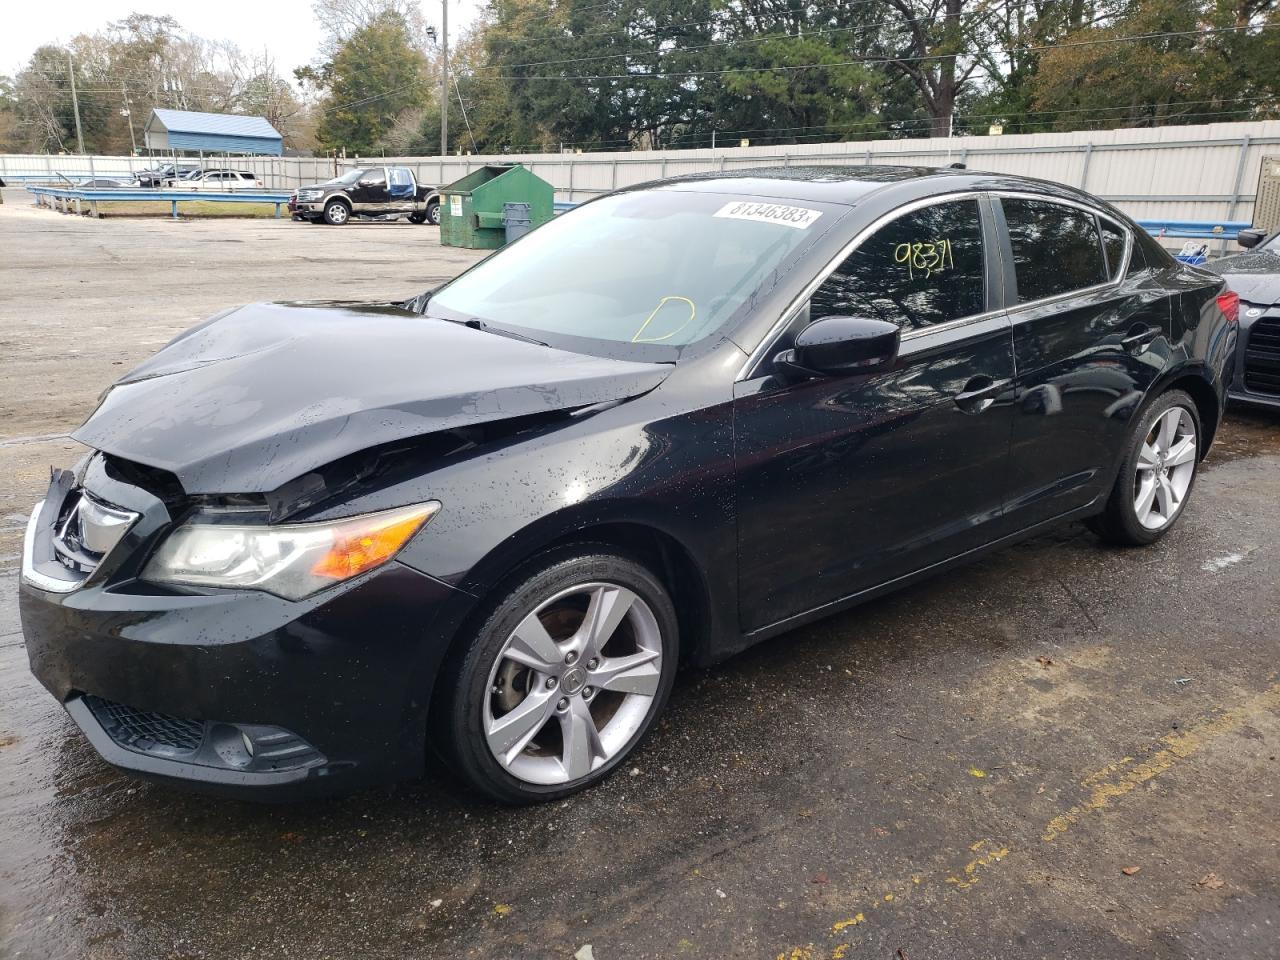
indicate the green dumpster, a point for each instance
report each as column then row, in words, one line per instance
column 471, row 208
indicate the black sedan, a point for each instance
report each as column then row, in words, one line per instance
column 1255, row 278
column 311, row 541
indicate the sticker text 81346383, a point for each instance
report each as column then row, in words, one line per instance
column 799, row 218
column 924, row 257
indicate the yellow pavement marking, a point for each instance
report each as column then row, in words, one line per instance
column 970, row 873
column 1178, row 746
column 851, row 922
column 1109, row 783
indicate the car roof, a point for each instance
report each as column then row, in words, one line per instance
column 851, row 183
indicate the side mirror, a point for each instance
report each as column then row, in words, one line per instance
column 1251, row 237
column 843, row 347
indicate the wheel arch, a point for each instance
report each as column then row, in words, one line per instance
column 670, row 561
column 1194, row 382
column 665, row 555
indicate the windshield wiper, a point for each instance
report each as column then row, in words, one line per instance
column 418, row 304
column 475, row 323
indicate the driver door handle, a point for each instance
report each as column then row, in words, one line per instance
column 979, row 393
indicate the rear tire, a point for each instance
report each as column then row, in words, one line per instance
column 562, row 679
column 1157, row 474
column 433, row 213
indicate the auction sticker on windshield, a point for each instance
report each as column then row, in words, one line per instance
column 801, row 218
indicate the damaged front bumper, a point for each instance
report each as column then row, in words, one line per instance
column 235, row 692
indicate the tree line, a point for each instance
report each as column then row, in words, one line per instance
column 621, row 74
column 121, row 72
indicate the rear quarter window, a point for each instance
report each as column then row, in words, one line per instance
column 1113, row 239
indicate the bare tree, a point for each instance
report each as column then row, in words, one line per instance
column 934, row 48
column 341, row 18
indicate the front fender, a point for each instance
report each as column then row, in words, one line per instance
column 509, row 500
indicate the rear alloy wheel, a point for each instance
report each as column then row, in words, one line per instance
column 1165, row 468
column 1157, row 475
column 563, row 680
column 336, row 213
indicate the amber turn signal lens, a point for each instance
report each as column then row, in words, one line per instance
column 371, row 541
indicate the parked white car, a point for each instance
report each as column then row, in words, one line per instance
column 217, row 180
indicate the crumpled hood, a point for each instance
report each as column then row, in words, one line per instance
column 1255, row 276
column 265, row 393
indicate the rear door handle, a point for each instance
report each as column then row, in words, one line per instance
column 1138, row 337
column 979, row 393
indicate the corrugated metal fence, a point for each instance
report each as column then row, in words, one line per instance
column 1207, row 172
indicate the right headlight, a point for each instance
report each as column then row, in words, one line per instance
column 291, row 560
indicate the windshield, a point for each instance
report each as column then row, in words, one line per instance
column 657, row 268
column 351, row 176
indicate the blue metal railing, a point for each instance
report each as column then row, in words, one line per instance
column 93, row 196
column 1170, row 229
column 1195, row 229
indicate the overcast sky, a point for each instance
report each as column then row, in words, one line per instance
column 285, row 27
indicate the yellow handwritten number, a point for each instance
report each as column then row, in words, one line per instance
column 925, row 256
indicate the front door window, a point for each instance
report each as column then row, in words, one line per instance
column 924, row 268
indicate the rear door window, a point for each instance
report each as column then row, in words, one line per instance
column 924, row 268
column 1056, row 248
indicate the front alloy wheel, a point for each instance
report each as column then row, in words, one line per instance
column 573, row 683
column 563, row 679
column 336, row 213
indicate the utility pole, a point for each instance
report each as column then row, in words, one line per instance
column 128, row 114
column 444, row 77
column 75, row 101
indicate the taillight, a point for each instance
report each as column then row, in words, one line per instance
column 1229, row 304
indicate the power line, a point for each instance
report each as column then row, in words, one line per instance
column 890, row 59
column 861, row 30
column 651, row 33
column 636, row 77
column 965, row 117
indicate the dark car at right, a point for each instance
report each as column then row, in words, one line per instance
column 1254, row 276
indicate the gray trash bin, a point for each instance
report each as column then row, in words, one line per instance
column 516, row 220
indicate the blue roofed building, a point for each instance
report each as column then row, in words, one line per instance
column 171, row 131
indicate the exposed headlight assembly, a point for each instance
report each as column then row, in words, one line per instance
column 291, row 560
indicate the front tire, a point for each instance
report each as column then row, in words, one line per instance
column 1157, row 474
column 336, row 213
column 562, row 679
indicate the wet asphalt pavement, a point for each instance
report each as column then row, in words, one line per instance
column 970, row 768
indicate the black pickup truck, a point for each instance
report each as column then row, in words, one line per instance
column 369, row 192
